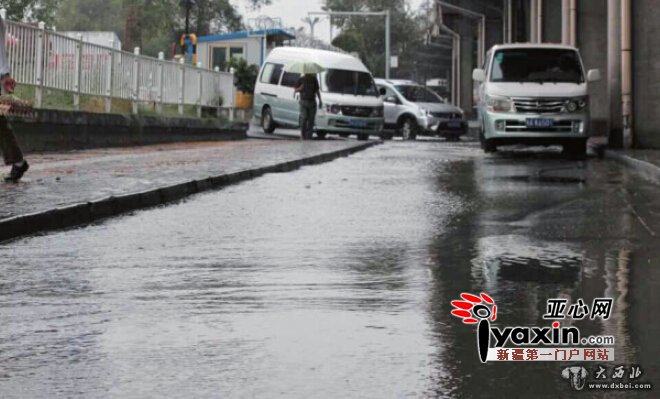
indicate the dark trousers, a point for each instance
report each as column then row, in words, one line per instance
column 307, row 116
column 11, row 152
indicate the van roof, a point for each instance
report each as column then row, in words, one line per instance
column 532, row 45
column 396, row 82
column 325, row 58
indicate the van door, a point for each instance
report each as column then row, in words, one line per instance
column 290, row 107
column 268, row 89
column 391, row 106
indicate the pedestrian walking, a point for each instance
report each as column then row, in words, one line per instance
column 308, row 87
column 11, row 152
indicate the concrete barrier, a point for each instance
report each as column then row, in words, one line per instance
column 54, row 130
column 87, row 212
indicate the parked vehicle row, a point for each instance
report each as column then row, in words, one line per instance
column 526, row 94
column 352, row 102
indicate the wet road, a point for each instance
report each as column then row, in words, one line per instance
column 335, row 281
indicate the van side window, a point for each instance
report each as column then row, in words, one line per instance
column 271, row 73
column 277, row 72
column 289, row 79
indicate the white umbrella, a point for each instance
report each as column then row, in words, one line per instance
column 305, row 68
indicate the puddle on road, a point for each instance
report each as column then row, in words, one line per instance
column 517, row 258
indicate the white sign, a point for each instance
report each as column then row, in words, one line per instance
column 394, row 61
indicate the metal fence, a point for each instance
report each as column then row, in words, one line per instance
column 47, row 60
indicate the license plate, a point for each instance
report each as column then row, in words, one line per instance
column 540, row 122
column 358, row 124
column 454, row 125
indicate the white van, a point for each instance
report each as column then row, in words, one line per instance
column 351, row 101
column 531, row 93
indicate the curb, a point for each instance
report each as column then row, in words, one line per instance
column 643, row 169
column 84, row 213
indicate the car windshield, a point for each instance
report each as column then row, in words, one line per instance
column 349, row 82
column 418, row 94
column 537, row 65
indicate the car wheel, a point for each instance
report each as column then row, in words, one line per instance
column 362, row 136
column 577, row 149
column 386, row 136
column 321, row 135
column 344, row 135
column 408, row 128
column 267, row 122
column 489, row 146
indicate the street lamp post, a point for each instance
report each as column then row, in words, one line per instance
column 312, row 22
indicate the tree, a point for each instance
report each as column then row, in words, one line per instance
column 31, row 10
column 90, row 15
column 153, row 25
column 351, row 41
column 403, row 28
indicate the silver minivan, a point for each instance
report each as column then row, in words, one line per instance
column 412, row 109
column 351, row 101
column 534, row 94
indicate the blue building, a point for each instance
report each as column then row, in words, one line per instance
column 254, row 46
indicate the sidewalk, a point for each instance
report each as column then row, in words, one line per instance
column 646, row 163
column 67, row 189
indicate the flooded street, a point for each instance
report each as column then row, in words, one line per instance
column 335, row 281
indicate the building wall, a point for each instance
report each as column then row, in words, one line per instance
column 646, row 73
column 592, row 42
column 551, row 21
column 251, row 46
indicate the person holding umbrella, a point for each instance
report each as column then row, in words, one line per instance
column 309, row 89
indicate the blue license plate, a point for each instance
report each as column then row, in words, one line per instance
column 358, row 124
column 454, row 125
column 540, row 122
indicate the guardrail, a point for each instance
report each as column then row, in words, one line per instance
column 49, row 60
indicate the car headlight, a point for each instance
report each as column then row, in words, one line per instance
column 576, row 104
column 499, row 104
column 424, row 112
column 333, row 108
column 377, row 112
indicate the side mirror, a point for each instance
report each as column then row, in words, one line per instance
column 391, row 99
column 382, row 91
column 593, row 75
column 479, row 75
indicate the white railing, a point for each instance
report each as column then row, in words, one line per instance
column 47, row 60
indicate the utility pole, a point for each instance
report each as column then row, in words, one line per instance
column 132, row 29
column 188, row 5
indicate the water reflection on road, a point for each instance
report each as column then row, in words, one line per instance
column 333, row 281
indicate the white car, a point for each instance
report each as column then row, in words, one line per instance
column 534, row 94
column 412, row 109
column 351, row 101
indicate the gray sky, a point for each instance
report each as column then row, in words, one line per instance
column 292, row 11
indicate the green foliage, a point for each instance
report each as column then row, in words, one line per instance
column 160, row 22
column 244, row 74
column 404, row 29
column 31, row 10
column 351, row 41
column 90, row 15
